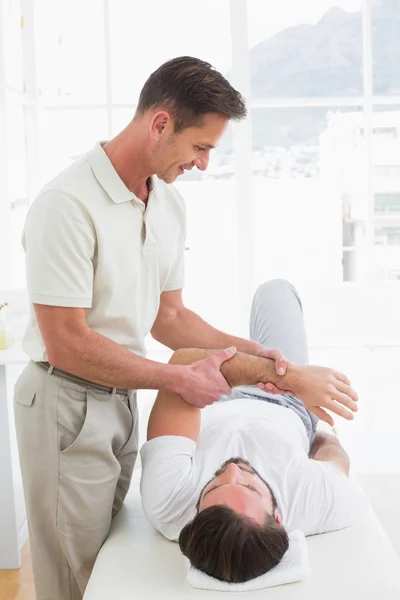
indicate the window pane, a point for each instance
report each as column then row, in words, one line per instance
column 69, row 41
column 16, row 149
column 385, row 45
column 305, row 49
column 10, row 34
column 47, row 49
column 146, row 34
column 212, row 247
column 12, row 271
column 308, row 185
column 212, row 238
column 65, row 134
column 386, row 188
column 120, row 118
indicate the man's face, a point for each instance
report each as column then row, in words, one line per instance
column 177, row 152
column 237, row 485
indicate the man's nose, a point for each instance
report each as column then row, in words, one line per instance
column 201, row 162
column 233, row 474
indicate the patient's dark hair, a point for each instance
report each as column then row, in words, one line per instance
column 189, row 88
column 232, row 547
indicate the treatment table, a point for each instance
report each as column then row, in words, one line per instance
column 136, row 562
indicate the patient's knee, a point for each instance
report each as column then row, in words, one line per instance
column 276, row 286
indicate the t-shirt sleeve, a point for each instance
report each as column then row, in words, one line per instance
column 59, row 243
column 322, row 498
column 168, row 484
column 176, row 276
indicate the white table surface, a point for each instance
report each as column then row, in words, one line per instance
column 14, row 355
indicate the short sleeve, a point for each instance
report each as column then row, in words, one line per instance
column 321, row 498
column 59, row 243
column 167, row 483
column 176, row 276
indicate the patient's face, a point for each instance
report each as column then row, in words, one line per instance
column 237, row 485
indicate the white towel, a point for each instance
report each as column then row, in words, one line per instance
column 294, row 566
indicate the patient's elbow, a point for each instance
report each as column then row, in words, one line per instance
column 178, row 356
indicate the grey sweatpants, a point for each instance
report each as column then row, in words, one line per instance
column 276, row 321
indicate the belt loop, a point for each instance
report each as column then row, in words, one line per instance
column 114, row 391
column 50, row 370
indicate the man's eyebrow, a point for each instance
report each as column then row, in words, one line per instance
column 222, row 484
column 210, row 146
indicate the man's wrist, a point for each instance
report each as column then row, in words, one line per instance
column 174, row 377
column 291, row 379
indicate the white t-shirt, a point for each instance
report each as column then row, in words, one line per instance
column 91, row 243
column 312, row 496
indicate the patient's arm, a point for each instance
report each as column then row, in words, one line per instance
column 327, row 448
column 241, row 369
column 171, row 415
column 317, row 387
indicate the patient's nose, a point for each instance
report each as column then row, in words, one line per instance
column 233, row 474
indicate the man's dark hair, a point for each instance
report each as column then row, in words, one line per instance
column 232, row 547
column 189, row 88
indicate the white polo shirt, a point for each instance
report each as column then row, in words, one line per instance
column 91, row 243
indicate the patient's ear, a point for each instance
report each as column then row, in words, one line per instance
column 278, row 518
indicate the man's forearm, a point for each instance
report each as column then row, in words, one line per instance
column 189, row 330
column 327, row 448
column 99, row 359
column 242, row 369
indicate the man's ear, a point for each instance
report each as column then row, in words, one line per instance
column 159, row 123
column 278, row 518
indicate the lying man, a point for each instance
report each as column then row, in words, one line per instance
column 231, row 482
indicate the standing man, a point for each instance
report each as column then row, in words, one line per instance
column 104, row 245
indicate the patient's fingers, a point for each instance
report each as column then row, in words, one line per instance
column 323, row 415
column 345, row 400
column 338, row 408
column 343, row 378
column 347, row 389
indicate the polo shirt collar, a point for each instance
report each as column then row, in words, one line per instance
column 108, row 177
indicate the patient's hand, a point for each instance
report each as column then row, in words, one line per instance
column 319, row 388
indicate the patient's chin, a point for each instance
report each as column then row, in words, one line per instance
column 235, row 460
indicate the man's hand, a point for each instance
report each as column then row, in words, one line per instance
column 319, row 388
column 202, row 383
column 281, row 363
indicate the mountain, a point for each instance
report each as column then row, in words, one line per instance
column 320, row 60
column 310, row 60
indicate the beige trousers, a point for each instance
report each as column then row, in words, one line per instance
column 77, row 449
